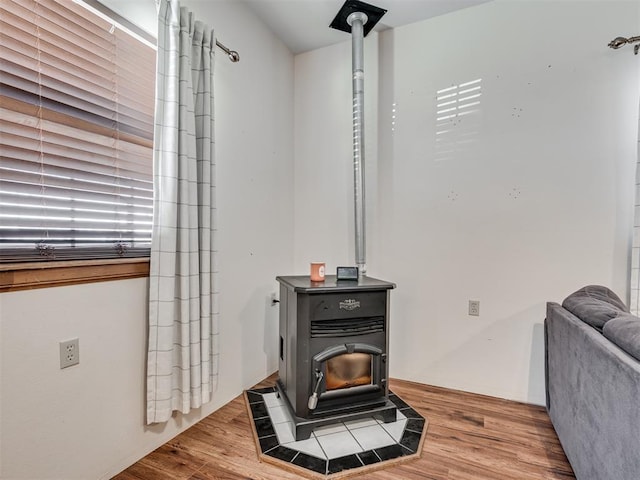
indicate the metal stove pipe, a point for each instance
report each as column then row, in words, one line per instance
column 357, row 20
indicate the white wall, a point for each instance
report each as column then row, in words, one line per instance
column 538, row 205
column 323, row 153
column 87, row 421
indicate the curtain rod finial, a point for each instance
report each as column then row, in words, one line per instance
column 617, row 42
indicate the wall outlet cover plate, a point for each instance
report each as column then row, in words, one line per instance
column 69, row 353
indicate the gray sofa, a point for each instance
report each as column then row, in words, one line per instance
column 592, row 371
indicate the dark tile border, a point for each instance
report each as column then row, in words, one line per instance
column 259, row 410
column 268, row 441
column 344, row 463
column 410, row 440
column 314, row 464
column 390, row 452
column 283, row 453
column 368, row 458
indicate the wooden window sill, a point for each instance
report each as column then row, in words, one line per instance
column 26, row 276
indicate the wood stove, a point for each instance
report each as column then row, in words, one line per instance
column 333, row 362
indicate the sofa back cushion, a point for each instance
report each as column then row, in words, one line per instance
column 624, row 331
column 595, row 305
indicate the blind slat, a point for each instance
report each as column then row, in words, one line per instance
column 18, row 144
column 135, row 172
column 16, row 122
column 62, row 223
column 142, row 209
column 108, row 186
column 14, row 103
column 44, row 191
column 11, row 166
column 31, row 210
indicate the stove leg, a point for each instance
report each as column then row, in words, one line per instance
column 389, row 416
column 303, row 432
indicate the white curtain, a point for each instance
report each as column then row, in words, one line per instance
column 182, row 357
column 634, row 281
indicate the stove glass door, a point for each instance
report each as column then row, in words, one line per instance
column 348, row 370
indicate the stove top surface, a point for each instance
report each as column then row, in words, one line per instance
column 303, row 283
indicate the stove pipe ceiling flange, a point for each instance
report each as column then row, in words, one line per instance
column 358, row 18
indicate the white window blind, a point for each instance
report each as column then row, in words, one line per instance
column 76, row 134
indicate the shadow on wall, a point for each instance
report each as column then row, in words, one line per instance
column 495, row 357
column 387, row 116
column 536, row 363
column 259, row 338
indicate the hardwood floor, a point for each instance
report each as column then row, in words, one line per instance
column 470, row 437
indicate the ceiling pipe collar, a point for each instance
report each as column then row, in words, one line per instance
column 357, row 16
column 373, row 15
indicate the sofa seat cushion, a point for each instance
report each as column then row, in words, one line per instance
column 624, row 331
column 595, row 305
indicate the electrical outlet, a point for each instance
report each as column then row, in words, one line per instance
column 69, row 353
column 474, row 308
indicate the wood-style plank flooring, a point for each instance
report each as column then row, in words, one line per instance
column 470, row 437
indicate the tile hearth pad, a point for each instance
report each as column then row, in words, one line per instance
column 334, row 450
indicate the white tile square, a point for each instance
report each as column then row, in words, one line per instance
column 272, row 400
column 339, row 444
column 372, row 437
column 278, row 414
column 395, row 429
column 284, row 432
column 309, row 446
column 363, row 422
column 329, row 429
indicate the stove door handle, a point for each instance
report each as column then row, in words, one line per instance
column 313, row 399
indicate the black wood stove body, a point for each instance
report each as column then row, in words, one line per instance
column 333, row 350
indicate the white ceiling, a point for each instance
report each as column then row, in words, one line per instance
column 304, row 24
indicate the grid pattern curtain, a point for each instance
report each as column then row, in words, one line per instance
column 634, row 282
column 182, row 359
column 76, row 108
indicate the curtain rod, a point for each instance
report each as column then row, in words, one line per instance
column 621, row 41
column 136, row 30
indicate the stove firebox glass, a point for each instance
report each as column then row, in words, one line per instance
column 349, row 370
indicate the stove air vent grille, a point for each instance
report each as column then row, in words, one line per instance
column 346, row 327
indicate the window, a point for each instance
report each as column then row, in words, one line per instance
column 76, row 134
